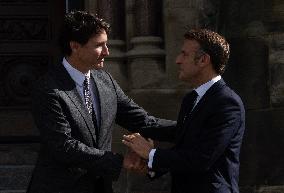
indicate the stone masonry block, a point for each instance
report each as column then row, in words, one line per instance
column 163, row 103
column 247, row 71
column 17, row 123
column 253, row 148
column 15, row 177
column 18, row 154
column 118, row 69
column 270, row 189
column 261, row 156
column 277, row 84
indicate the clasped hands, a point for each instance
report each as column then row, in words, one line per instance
column 137, row 157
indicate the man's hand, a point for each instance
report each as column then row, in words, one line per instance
column 133, row 162
column 138, row 144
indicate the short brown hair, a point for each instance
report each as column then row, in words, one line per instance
column 80, row 26
column 214, row 45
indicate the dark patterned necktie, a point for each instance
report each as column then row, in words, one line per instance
column 87, row 94
column 89, row 103
column 189, row 102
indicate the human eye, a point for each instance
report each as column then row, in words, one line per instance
column 102, row 44
column 98, row 45
column 183, row 53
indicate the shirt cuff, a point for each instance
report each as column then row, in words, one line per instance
column 151, row 156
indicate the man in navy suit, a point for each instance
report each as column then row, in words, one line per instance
column 210, row 125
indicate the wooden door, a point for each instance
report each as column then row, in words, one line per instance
column 28, row 38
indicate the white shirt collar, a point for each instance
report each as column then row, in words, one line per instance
column 202, row 89
column 75, row 74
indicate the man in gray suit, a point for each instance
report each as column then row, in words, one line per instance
column 75, row 106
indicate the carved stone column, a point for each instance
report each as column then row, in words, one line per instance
column 113, row 12
column 147, row 72
column 146, row 58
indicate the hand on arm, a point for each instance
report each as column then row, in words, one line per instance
column 138, row 144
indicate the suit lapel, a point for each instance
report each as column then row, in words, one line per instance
column 102, row 97
column 186, row 126
column 210, row 92
column 69, row 87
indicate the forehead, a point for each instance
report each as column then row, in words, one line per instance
column 190, row 45
column 98, row 38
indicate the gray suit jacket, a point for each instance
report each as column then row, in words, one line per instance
column 70, row 158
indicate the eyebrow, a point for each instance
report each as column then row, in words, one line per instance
column 100, row 43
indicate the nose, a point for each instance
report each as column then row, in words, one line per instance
column 178, row 59
column 105, row 50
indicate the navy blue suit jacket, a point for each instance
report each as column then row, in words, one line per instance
column 205, row 158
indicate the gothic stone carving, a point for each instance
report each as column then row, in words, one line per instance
column 23, row 29
column 22, row 1
column 17, row 75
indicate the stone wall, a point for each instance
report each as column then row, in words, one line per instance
column 254, row 29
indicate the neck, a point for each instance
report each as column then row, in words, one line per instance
column 202, row 79
column 75, row 63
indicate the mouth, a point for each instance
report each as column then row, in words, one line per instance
column 100, row 63
column 101, row 60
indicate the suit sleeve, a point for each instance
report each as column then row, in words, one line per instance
column 219, row 129
column 56, row 135
column 135, row 119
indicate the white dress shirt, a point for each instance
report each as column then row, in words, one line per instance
column 79, row 78
column 201, row 90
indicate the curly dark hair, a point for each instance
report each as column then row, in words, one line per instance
column 214, row 45
column 80, row 26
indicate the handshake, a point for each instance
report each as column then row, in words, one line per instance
column 137, row 157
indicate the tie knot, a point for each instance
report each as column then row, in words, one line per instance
column 194, row 94
column 189, row 101
column 191, row 97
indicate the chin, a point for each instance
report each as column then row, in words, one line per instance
column 180, row 77
column 99, row 66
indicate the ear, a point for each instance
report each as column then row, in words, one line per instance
column 74, row 46
column 205, row 60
